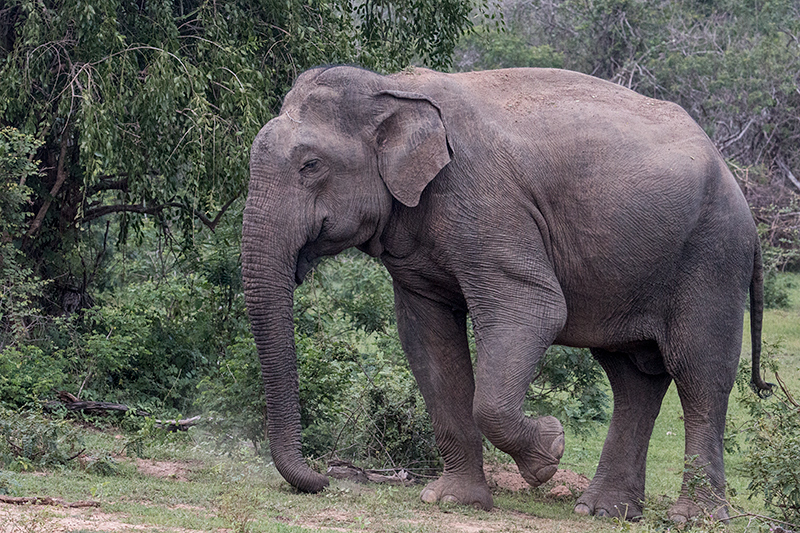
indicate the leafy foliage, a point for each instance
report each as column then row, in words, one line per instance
column 28, row 441
column 570, row 386
column 487, row 49
column 232, row 397
column 27, row 374
column 150, row 108
column 359, row 400
column 773, row 438
column 19, row 288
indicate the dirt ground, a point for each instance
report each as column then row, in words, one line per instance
column 564, row 484
column 58, row 519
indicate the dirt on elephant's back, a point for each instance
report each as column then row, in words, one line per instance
column 506, row 476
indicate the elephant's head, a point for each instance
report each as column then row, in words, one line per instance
column 323, row 177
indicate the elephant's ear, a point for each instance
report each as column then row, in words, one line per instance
column 411, row 144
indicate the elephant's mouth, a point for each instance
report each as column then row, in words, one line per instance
column 306, row 261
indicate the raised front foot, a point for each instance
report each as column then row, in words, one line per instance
column 454, row 488
column 599, row 501
column 540, row 461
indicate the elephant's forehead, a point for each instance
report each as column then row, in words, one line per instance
column 287, row 139
column 275, row 139
column 319, row 105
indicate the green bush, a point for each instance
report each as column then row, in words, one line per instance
column 231, row 397
column 570, row 386
column 29, row 441
column 772, row 435
column 776, row 290
column 396, row 429
column 28, row 374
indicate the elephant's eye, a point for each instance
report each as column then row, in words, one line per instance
column 310, row 166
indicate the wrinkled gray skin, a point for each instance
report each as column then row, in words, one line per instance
column 553, row 208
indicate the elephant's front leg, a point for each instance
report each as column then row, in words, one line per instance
column 434, row 338
column 514, row 324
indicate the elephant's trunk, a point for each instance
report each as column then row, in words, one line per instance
column 268, row 267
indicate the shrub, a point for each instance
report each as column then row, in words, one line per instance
column 773, row 438
column 231, row 397
column 776, row 290
column 29, row 441
column 27, row 374
column 569, row 386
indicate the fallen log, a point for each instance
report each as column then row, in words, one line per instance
column 177, row 425
column 46, row 500
column 351, row 472
column 72, row 403
column 102, row 406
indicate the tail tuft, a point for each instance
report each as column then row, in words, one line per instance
column 757, row 383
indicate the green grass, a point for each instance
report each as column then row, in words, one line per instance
column 245, row 494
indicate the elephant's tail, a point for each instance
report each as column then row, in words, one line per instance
column 761, row 387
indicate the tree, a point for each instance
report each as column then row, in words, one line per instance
column 147, row 109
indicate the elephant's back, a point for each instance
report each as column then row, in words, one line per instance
column 518, row 95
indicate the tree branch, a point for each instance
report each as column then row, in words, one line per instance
column 106, row 184
column 46, row 500
column 783, row 166
column 725, row 143
column 61, row 177
column 104, row 210
column 212, row 224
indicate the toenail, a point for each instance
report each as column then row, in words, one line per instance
column 582, row 509
column 428, row 496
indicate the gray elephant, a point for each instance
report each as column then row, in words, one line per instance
column 550, row 206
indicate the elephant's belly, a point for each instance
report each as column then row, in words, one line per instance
column 614, row 330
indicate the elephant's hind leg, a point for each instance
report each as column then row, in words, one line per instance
column 702, row 356
column 704, row 385
column 617, row 488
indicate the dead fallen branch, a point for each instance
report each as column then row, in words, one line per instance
column 92, row 407
column 46, row 500
column 72, row 403
column 349, row 471
column 177, row 425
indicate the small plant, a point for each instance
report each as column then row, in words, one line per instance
column 238, row 507
column 772, row 459
column 28, row 441
column 9, row 486
column 773, row 437
column 102, row 465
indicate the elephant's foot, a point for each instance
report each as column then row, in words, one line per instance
column 685, row 508
column 540, row 461
column 610, row 503
column 460, row 489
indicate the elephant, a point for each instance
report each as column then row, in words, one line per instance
column 550, row 207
